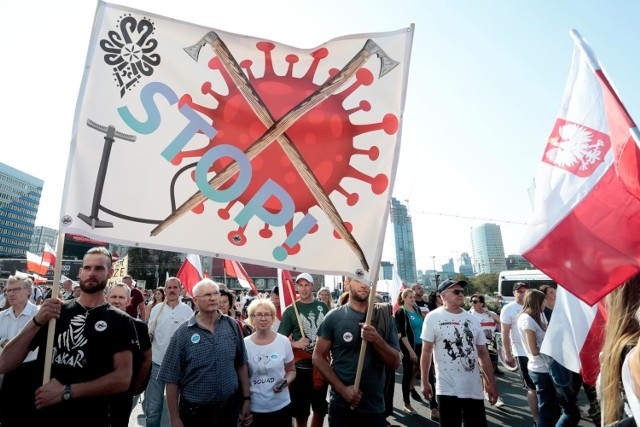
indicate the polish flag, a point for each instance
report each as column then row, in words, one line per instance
column 235, row 269
column 36, row 264
column 575, row 335
column 583, row 233
column 286, row 290
column 190, row 272
column 49, row 255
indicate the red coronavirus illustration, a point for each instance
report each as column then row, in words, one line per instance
column 324, row 136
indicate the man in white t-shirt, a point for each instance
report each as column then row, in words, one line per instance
column 455, row 339
column 163, row 322
column 512, row 344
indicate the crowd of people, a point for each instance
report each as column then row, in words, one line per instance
column 218, row 359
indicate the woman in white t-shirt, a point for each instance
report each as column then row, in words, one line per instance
column 271, row 367
column 532, row 326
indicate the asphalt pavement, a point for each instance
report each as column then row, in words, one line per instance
column 515, row 412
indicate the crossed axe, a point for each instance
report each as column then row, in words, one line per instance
column 277, row 128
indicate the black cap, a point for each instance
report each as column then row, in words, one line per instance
column 520, row 285
column 449, row 283
column 276, row 290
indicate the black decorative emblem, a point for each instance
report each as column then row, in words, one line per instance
column 130, row 51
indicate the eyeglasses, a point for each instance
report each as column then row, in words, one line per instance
column 209, row 295
column 475, row 301
column 262, row 315
column 455, row 292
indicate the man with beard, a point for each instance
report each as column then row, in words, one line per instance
column 340, row 335
column 92, row 355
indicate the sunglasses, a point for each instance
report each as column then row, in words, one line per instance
column 475, row 301
column 455, row 292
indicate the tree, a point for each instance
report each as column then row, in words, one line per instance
column 485, row 283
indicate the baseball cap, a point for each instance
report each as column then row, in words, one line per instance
column 305, row 276
column 449, row 283
column 520, row 285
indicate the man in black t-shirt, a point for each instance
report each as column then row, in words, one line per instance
column 92, row 355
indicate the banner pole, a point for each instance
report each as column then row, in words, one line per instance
column 295, row 307
column 55, row 289
column 363, row 347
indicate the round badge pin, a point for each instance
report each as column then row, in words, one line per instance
column 101, row 325
column 195, row 338
column 347, row 337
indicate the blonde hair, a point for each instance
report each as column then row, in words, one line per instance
column 402, row 295
column 330, row 300
column 257, row 303
column 621, row 332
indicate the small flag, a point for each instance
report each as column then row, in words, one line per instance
column 35, row 264
column 49, row 255
column 190, row 272
column 235, row 269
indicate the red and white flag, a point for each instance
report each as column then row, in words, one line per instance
column 583, row 233
column 36, row 264
column 190, row 272
column 49, row 255
column 575, row 335
column 286, row 289
column 235, row 269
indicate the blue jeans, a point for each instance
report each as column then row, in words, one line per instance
column 548, row 406
column 155, row 407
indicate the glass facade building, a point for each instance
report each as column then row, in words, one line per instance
column 42, row 235
column 488, row 249
column 19, row 200
column 403, row 235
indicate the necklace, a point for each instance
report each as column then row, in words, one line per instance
column 89, row 310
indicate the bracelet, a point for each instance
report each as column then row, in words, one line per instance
column 38, row 324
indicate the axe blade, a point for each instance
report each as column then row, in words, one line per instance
column 194, row 50
column 386, row 62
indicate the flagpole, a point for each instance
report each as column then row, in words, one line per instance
column 48, row 355
column 363, row 347
column 295, row 307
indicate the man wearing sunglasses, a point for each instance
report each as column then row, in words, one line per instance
column 458, row 345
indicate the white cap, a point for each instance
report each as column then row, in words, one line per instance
column 305, row 276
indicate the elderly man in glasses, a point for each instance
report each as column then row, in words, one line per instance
column 455, row 339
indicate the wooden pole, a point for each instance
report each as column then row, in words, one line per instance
column 48, row 355
column 295, row 307
column 363, row 347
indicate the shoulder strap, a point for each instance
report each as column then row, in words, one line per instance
column 155, row 321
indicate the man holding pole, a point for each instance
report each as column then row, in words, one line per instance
column 301, row 321
column 92, row 355
column 341, row 335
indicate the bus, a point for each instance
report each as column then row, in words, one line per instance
column 533, row 278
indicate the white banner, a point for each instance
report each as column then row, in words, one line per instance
column 191, row 139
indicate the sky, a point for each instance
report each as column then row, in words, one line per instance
column 485, row 83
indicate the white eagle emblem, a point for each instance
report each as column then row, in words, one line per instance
column 574, row 149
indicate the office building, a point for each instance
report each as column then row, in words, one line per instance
column 19, row 200
column 466, row 267
column 403, row 237
column 488, row 249
column 40, row 236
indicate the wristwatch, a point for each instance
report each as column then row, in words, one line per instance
column 66, row 395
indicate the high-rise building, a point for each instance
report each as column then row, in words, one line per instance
column 448, row 267
column 403, row 236
column 19, row 200
column 466, row 268
column 488, row 249
column 387, row 270
column 40, row 236
column 518, row 262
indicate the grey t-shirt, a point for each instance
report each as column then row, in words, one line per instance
column 342, row 327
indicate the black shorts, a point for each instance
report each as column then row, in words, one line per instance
column 524, row 373
column 303, row 395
